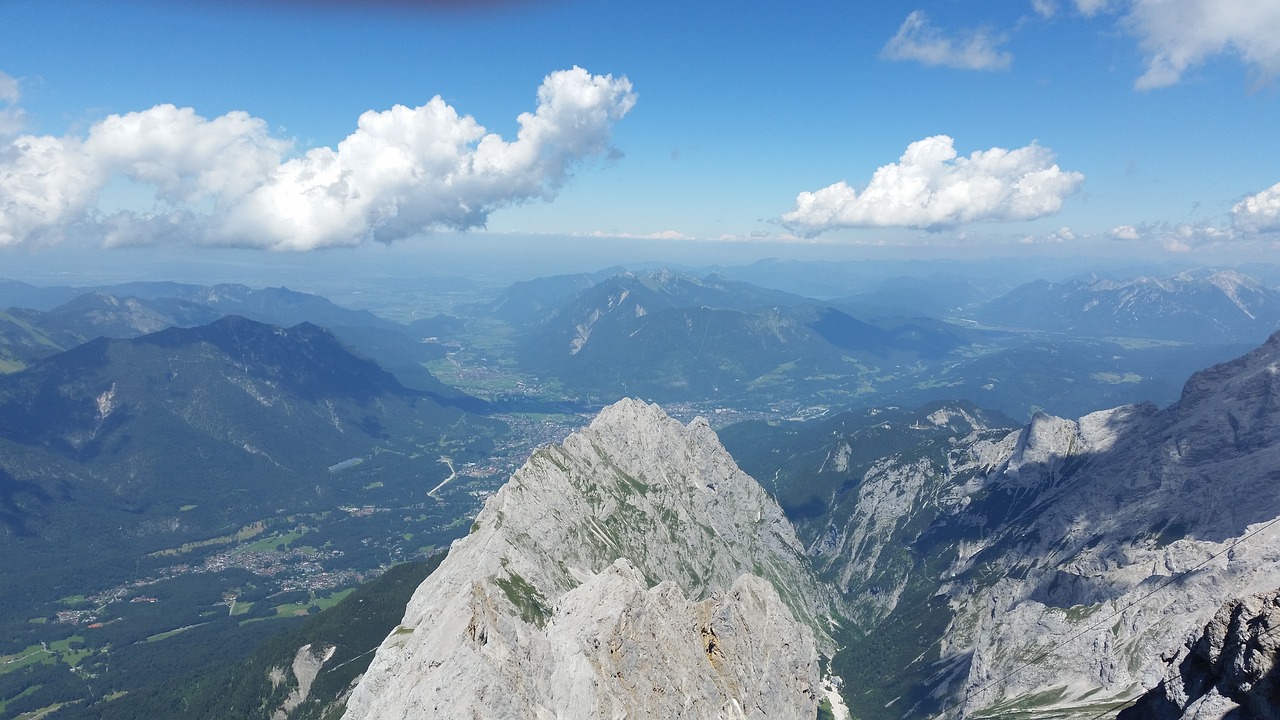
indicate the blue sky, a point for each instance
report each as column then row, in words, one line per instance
column 1135, row 127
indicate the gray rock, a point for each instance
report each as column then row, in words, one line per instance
column 1076, row 552
column 1228, row 671
column 633, row 571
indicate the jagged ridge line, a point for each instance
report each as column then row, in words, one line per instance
column 1201, row 708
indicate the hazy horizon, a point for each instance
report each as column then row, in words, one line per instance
column 566, row 136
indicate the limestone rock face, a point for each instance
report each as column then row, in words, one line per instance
column 1127, row 530
column 1046, row 572
column 633, row 571
column 1230, row 670
column 611, row 627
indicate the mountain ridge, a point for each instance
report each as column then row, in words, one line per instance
column 1222, row 306
column 577, row 557
column 972, row 558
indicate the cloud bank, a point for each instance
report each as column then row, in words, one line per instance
column 1256, row 217
column 228, row 181
column 922, row 42
column 932, row 188
column 1175, row 237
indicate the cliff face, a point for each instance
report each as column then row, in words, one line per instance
column 1043, row 572
column 1126, row 530
column 633, row 571
column 1229, row 670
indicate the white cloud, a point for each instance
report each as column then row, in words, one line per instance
column 1179, row 34
column 1258, row 213
column 931, row 188
column 1126, row 232
column 227, row 181
column 1057, row 237
column 1184, row 237
column 187, row 158
column 46, row 183
column 1174, row 237
column 919, row 40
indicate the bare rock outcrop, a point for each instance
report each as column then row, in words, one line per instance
column 633, row 571
column 1228, row 671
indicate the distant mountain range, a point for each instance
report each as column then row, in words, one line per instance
column 671, row 336
column 31, row 330
column 589, row 339
column 278, row 305
column 1194, row 307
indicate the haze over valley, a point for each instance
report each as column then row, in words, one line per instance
column 373, row 441
column 542, row 358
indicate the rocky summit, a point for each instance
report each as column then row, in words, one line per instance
column 632, row 571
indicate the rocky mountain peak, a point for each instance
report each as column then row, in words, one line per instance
column 1231, row 281
column 1261, row 361
column 631, row 415
column 1231, row 408
column 632, row 569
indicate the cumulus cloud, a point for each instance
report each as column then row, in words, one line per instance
column 932, row 188
column 228, row 181
column 1126, row 232
column 1174, row 36
column 922, row 42
column 1258, row 213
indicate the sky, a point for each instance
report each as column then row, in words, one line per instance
column 411, row 132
